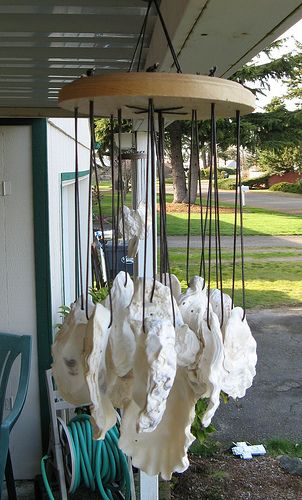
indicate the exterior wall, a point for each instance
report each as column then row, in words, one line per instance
column 287, row 177
column 61, row 159
column 17, row 285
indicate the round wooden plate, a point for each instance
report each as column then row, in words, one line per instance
column 176, row 94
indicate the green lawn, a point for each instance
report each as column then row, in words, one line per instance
column 255, row 223
column 268, row 284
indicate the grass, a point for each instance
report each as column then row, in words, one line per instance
column 276, row 447
column 268, row 284
column 255, row 223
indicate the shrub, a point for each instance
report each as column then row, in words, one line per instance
column 260, row 182
column 288, row 187
column 227, row 183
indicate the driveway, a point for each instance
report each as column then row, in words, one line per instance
column 270, row 200
column 272, row 407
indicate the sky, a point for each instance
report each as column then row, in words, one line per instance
column 277, row 88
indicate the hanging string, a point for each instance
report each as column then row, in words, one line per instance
column 146, row 213
column 189, row 197
column 219, row 281
column 140, row 41
column 153, row 194
column 202, row 258
column 238, row 194
column 77, row 232
column 113, row 214
column 163, row 211
column 175, row 59
column 98, row 193
column 209, row 211
column 121, row 190
column 91, row 123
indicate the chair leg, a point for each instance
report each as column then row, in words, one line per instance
column 9, row 476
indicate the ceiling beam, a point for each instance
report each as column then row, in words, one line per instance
column 41, row 23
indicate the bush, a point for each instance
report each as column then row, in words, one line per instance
column 205, row 173
column 227, row 183
column 288, row 187
column 260, row 182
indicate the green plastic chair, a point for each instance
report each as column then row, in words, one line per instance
column 11, row 346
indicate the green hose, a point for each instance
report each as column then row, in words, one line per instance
column 98, row 464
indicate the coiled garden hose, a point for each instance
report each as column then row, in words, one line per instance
column 98, row 464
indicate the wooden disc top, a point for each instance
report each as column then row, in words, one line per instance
column 176, row 94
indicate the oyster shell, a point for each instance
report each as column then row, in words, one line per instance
column 240, row 355
column 154, row 372
column 164, row 450
column 134, row 226
column 207, row 379
column 121, row 337
column 67, row 352
column 215, row 301
column 103, row 415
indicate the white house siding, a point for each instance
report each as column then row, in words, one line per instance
column 61, row 159
column 17, row 285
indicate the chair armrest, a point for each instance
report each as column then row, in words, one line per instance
column 11, row 419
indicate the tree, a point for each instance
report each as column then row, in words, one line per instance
column 279, row 162
column 274, row 129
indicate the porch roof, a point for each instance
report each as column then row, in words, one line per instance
column 45, row 44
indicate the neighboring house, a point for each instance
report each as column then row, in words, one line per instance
column 287, row 177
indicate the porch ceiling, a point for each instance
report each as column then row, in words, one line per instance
column 45, row 44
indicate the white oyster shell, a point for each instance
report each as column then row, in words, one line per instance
column 215, row 301
column 193, row 304
column 103, row 415
column 67, row 353
column 209, row 371
column 164, row 450
column 175, row 284
column 154, row 372
column 134, row 226
column 187, row 346
column 121, row 337
column 240, row 355
column 159, row 308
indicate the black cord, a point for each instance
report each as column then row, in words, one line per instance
column 113, row 214
column 175, row 59
column 241, row 213
column 189, row 198
column 78, row 250
column 153, row 195
column 146, row 213
column 92, row 131
column 121, row 190
column 219, row 279
column 140, row 40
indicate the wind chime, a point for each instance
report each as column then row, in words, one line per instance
column 150, row 349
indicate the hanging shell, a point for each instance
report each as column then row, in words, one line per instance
column 159, row 308
column 154, row 372
column 240, row 355
column 164, row 450
column 67, row 353
column 103, row 415
column 134, row 226
column 121, row 337
column 187, row 346
column 193, row 304
column 215, row 301
column 207, row 381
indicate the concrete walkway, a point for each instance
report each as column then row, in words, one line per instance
column 249, row 241
column 272, row 407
